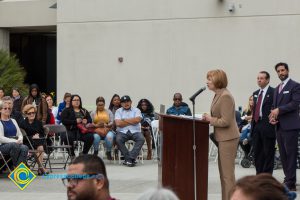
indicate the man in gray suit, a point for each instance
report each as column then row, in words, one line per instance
column 286, row 117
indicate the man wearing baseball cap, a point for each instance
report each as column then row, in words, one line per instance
column 127, row 119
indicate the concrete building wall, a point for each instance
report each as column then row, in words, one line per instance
column 27, row 13
column 4, row 39
column 169, row 47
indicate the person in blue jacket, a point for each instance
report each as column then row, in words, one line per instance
column 179, row 107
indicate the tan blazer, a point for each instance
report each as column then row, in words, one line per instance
column 223, row 116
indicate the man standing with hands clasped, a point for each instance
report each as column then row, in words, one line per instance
column 262, row 132
column 286, row 117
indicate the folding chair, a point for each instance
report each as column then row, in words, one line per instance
column 57, row 129
column 155, row 134
column 31, row 161
column 129, row 144
column 2, row 157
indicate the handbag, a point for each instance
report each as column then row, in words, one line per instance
column 102, row 131
column 84, row 129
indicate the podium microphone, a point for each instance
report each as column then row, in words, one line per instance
column 192, row 98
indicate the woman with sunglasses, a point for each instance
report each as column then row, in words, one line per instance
column 103, row 119
column 70, row 117
column 35, row 134
column 11, row 138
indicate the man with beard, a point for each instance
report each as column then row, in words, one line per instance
column 286, row 117
column 87, row 179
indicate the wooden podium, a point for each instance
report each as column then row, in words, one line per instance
column 176, row 166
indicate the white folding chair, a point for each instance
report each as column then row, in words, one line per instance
column 155, row 131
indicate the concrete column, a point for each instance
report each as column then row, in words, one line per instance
column 4, row 39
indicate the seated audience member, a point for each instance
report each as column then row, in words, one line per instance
column 247, row 113
column 245, row 127
column 16, row 115
column 17, row 99
column 35, row 133
column 103, row 120
column 158, row 194
column 87, row 179
column 179, row 107
column 65, row 104
column 147, row 111
column 35, row 98
column 2, row 94
column 115, row 103
column 128, row 124
column 11, row 138
column 72, row 116
column 53, row 110
column 260, row 187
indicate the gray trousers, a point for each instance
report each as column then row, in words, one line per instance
column 137, row 137
column 17, row 152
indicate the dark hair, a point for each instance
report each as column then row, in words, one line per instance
column 150, row 108
column 111, row 105
column 80, row 102
column 261, row 187
column 15, row 88
column 1, row 88
column 100, row 99
column 177, row 93
column 67, row 94
column 282, row 64
column 34, row 86
column 266, row 73
column 92, row 165
column 49, row 95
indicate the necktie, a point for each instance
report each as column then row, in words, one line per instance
column 280, row 87
column 257, row 107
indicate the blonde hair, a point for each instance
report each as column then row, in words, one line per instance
column 248, row 106
column 218, row 77
column 28, row 107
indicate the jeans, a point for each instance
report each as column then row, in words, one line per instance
column 109, row 138
column 17, row 152
column 137, row 137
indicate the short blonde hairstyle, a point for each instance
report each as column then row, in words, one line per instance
column 28, row 107
column 218, row 77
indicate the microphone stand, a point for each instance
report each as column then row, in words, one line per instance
column 194, row 149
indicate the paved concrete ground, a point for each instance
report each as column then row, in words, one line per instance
column 126, row 183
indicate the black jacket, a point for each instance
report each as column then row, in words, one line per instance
column 69, row 120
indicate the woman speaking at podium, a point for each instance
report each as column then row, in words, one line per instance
column 226, row 132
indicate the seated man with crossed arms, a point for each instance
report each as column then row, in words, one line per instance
column 127, row 119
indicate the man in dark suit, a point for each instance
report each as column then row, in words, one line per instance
column 262, row 132
column 286, row 116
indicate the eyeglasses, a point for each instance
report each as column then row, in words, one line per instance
column 75, row 100
column 74, row 179
column 6, row 108
column 177, row 99
column 100, row 104
column 31, row 113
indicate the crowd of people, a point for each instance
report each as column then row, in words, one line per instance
column 272, row 115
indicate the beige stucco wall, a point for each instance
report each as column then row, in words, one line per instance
column 168, row 47
column 4, row 39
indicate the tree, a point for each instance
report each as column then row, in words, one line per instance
column 11, row 74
